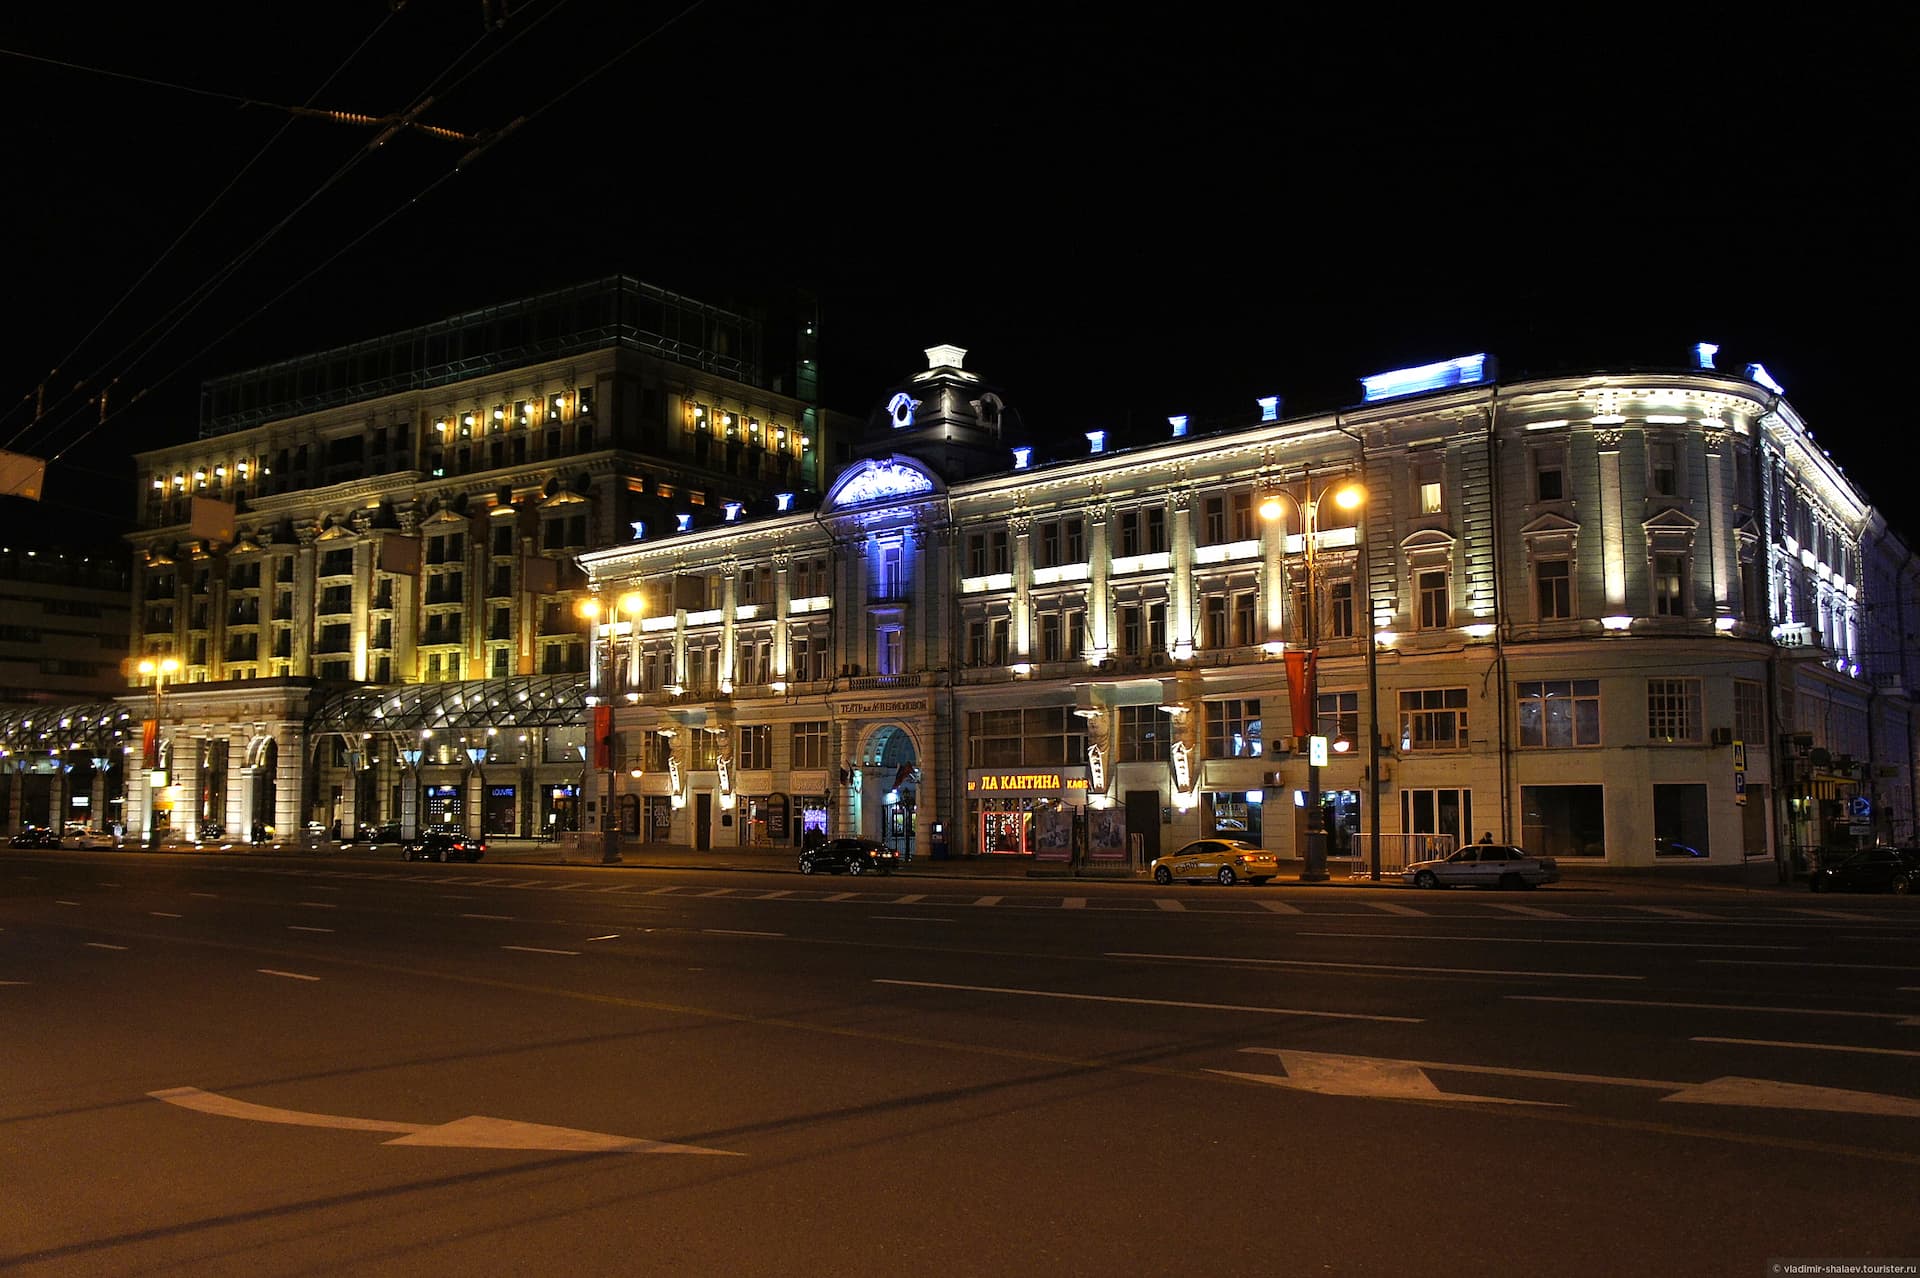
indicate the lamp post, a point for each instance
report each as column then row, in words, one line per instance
column 601, row 679
column 1347, row 495
column 159, row 671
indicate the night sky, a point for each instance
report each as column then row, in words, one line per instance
column 1120, row 217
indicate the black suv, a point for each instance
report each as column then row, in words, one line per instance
column 1869, row 870
column 854, row 856
column 445, row 845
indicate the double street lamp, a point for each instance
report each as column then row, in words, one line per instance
column 159, row 671
column 1347, row 495
column 601, row 679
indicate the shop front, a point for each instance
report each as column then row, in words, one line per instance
column 1012, row 813
column 444, row 807
column 502, row 811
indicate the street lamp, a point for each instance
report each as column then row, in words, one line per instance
column 158, row 671
column 1348, row 495
column 601, row 679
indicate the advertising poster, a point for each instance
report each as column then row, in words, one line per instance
column 1052, row 834
column 1107, row 835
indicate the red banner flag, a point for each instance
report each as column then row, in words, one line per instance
column 150, row 744
column 1300, row 689
column 603, row 737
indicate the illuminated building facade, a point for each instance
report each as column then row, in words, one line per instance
column 1619, row 617
column 406, row 511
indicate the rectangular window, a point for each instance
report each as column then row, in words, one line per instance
column 1338, row 718
column 1047, row 736
column 1141, row 734
column 1143, row 627
column 1340, row 610
column 1433, row 719
column 890, row 648
column 1560, row 713
column 1549, row 473
column 1428, row 492
column 756, row 747
column 1073, row 541
column 1233, row 729
column 1435, row 614
column 1553, row 590
column 810, row 744
column 1663, row 468
column 1669, row 585
column 1749, row 712
column 1673, row 710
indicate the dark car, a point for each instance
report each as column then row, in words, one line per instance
column 1870, row 870
column 854, row 856
column 445, row 845
column 35, row 836
column 382, row 832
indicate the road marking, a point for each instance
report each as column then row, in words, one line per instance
column 1811, row 1047
column 328, row 887
column 1899, row 1018
column 1167, row 903
column 1531, row 911
column 1281, row 907
column 291, row 976
column 910, row 898
column 295, row 927
column 102, row 945
column 497, row 882
column 535, row 949
column 989, row 900
column 909, row 918
column 162, row 914
column 1376, row 967
column 476, row 1132
column 618, row 887
column 497, row 918
column 1667, row 911
column 1825, row 914
column 60, row 902
column 1541, row 940
column 569, row 887
column 611, row 936
column 1374, row 1076
column 841, row 896
column 12, row 982
column 318, row 905
column 1074, row 903
column 208, row 895
column 723, row 931
column 1332, row 1075
column 104, row 883
column 775, row 896
column 715, row 892
column 1152, row 1002
column 661, row 891
column 1863, row 967
column 1391, row 908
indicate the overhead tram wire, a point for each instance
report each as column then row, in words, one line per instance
column 485, row 141
column 114, row 309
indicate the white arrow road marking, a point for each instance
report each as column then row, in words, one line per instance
column 475, row 1132
column 1332, row 1075
column 1898, row 1018
column 59, row 902
column 1358, row 1076
column 1151, row 1002
column 1811, row 1047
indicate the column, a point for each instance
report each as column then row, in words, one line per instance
column 1716, row 441
column 361, row 624
column 1099, row 563
column 1021, row 623
column 729, row 606
column 781, row 656
column 1180, row 593
column 1273, row 575
column 303, row 601
column 1612, row 534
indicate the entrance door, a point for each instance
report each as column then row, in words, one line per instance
column 1143, row 818
column 703, row 821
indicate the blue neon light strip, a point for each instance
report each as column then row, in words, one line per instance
column 1464, row 371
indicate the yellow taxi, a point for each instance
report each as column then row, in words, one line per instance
column 1227, row 861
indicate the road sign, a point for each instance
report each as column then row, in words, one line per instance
column 1739, row 756
column 1740, row 787
column 1317, row 751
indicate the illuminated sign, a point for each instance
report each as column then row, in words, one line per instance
column 1024, row 782
column 673, row 775
column 1317, row 751
column 1097, row 768
column 1180, row 755
column 1464, row 371
column 724, row 766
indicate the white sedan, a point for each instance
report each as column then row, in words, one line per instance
column 1497, row 865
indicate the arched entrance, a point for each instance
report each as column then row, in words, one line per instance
column 263, row 765
column 892, row 788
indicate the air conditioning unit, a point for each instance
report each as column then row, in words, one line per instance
column 1158, row 661
column 1723, row 736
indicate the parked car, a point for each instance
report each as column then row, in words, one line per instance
column 1497, row 865
column 35, row 836
column 1870, row 870
column 1227, row 860
column 377, row 832
column 445, row 845
column 853, row 856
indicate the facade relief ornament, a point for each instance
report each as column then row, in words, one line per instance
column 1020, row 524
column 1607, row 438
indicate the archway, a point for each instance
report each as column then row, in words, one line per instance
column 891, row 762
column 263, row 764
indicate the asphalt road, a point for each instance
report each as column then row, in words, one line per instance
column 278, row 1066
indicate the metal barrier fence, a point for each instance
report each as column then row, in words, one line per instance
column 1397, row 851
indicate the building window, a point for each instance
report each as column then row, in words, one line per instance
column 810, row 744
column 1143, row 627
column 1673, row 710
column 1663, row 468
column 811, row 654
column 1444, row 816
column 1340, row 610
column 1558, row 713
column 1749, row 712
column 1044, row 736
column 756, row 747
column 1553, row 590
column 1433, row 719
column 1429, row 495
column 1143, row 531
column 987, row 553
column 1233, row 729
column 1431, row 586
column 1549, row 473
column 1141, row 734
column 890, row 647
column 1337, row 717
column 1669, row 585
column 1060, row 624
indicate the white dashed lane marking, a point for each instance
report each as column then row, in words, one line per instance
column 291, row 976
column 535, row 949
column 102, row 945
column 1168, row 903
column 1281, row 907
